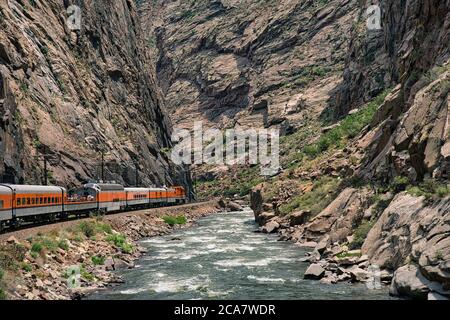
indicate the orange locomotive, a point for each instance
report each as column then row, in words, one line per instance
column 22, row 203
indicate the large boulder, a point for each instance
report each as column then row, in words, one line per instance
column 299, row 218
column 265, row 217
column 270, row 227
column 411, row 230
column 359, row 275
column 340, row 217
column 409, row 281
column 233, row 206
column 314, row 272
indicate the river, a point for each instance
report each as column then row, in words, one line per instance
column 223, row 258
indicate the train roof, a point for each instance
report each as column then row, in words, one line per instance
column 137, row 189
column 33, row 189
column 105, row 186
column 157, row 189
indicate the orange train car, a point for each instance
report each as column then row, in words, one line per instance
column 20, row 203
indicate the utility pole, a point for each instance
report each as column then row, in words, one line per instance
column 137, row 174
column 103, row 166
column 45, row 172
column 45, row 160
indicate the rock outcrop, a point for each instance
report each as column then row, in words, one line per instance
column 69, row 95
column 409, row 231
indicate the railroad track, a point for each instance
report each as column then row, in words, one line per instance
column 73, row 218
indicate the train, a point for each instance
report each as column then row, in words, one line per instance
column 29, row 203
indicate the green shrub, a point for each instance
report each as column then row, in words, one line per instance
column 120, row 241
column 400, row 183
column 2, row 294
column 344, row 255
column 49, row 244
column 431, row 189
column 87, row 228
column 37, row 247
column 27, row 267
column 98, row 260
column 63, row 244
column 86, row 275
column 2, row 274
column 172, row 220
column 117, row 239
column 361, row 233
column 104, row 227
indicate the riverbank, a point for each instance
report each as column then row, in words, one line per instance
column 71, row 259
column 399, row 240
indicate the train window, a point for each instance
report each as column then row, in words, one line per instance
column 32, row 200
column 18, row 201
column 1, row 204
column 53, row 199
column 28, row 201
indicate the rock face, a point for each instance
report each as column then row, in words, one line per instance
column 413, row 38
column 67, row 95
column 409, row 135
column 410, row 282
column 338, row 219
column 408, row 230
column 258, row 63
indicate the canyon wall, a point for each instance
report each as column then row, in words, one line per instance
column 248, row 63
column 70, row 95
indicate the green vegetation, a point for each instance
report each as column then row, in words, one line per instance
column 321, row 195
column 380, row 204
column 27, row 267
column 347, row 129
column 86, row 275
column 361, row 233
column 36, row 247
column 2, row 290
column 98, row 260
column 63, row 244
column 400, row 183
column 87, row 228
column 24, row 87
column 174, row 220
column 344, row 255
column 431, row 189
column 90, row 228
column 120, row 241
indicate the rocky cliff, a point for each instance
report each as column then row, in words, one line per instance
column 248, row 63
column 410, row 132
column 69, row 95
